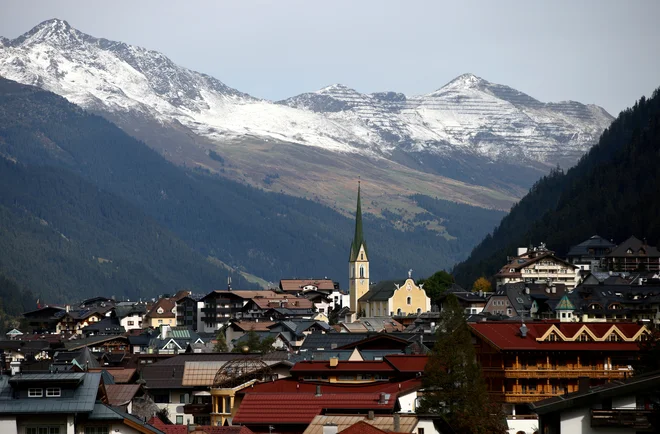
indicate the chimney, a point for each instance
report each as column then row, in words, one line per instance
column 370, row 415
column 334, row 361
column 383, row 398
column 330, row 428
column 523, row 331
column 521, row 251
column 67, row 308
column 583, row 384
column 318, row 390
column 397, row 422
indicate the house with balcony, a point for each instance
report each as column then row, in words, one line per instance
column 634, row 255
column 624, row 406
column 163, row 312
column 538, row 265
column 532, row 361
column 590, row 254
column 188, row 311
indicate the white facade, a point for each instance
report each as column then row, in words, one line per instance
column 578, row 420
column 131, row 322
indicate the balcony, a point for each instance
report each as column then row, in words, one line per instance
column 196, row 409
column 632, row 418
column 610, row 374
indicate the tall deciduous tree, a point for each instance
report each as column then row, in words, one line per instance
column 481, row 284
column 453, row 383
column 436, row 285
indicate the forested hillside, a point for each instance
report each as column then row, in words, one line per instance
column 614, row 191
column 270, row 235
column 64, row 238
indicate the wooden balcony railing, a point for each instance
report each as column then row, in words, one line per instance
column 635, row 419
column 556, row 373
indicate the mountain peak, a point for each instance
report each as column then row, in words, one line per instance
column 55, row 31
column 334, row 87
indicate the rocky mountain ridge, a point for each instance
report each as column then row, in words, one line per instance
column 461, row 140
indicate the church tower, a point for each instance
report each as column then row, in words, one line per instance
column 358, row 262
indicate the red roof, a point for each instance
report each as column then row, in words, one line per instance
column 362, row 427
column 342, row 366
column 291, row 385
column 199, row 429
column 407, row 362
column 505, row 335
column 301, row 408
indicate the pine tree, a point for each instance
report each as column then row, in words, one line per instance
column 453, row 384
column 220, row 342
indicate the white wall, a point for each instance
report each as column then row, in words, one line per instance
column 427, row 425
column 579, row 422
column 407, row 402
column 8, row 425
column 528, row 426
column 175, row 408
column 137, row 322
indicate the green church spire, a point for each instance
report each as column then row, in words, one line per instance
column 358, row 238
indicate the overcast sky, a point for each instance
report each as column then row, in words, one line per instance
column 601, row 52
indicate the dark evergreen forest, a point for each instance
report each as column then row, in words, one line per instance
column 87, row 209
column 614, row 191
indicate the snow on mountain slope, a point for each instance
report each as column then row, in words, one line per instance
column 468, row 116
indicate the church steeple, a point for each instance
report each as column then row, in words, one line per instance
column 358, row 262
column 358, row 238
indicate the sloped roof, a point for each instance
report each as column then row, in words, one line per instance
column 362, row 427
column 298, row 284
column 293, row 385
column 121, row 394
column 199, row 429
column 382, row 291
column 635, row 244
column 594, row 242
column 565, row 304
column 167, row 304
column 505, row 335
column 301, row 408
column 82, row 401
column 407, row 422
column 252, row 325
column 103, row 412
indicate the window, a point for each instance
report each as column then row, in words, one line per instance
column 179, row 420
column 182, row 398
column 420, row 430
column 130, row 323
column 53, row 392
column 398, row 311
column 409, row 301
column 35, row 393
column 42, row 430
column 96, row 430
column 160, row 321
column 361, row 271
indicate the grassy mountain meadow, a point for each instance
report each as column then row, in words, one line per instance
column 87, row 209
column 614, row 191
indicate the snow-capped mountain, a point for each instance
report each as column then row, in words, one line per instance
column 445, row 133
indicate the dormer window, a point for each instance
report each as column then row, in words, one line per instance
column 53, row 392
column 160, row 310
column 35, row 393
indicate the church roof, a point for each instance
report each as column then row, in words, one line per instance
column 382, row 291
column 358, row 238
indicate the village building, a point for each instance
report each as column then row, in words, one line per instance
column 527, row 362
column 538, row 265
column 626, row 406
column 590, row 254
column 163, row 312
column 634, row 255
column 389, row 298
